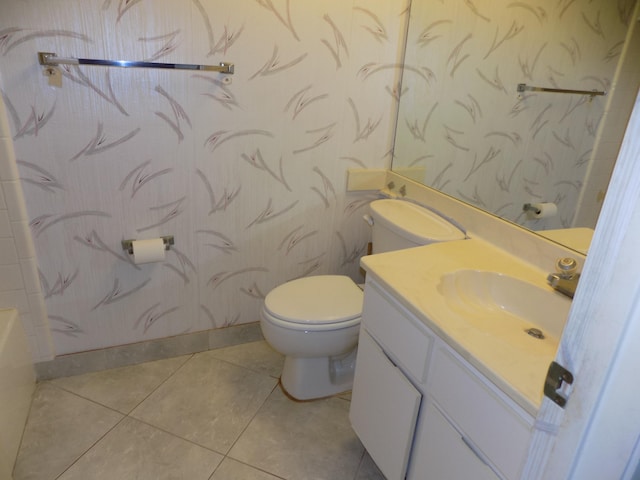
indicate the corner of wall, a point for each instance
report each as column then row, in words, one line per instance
column 19, row 281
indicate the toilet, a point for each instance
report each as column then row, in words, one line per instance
column 315, row 321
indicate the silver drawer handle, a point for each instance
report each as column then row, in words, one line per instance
column 475, row 451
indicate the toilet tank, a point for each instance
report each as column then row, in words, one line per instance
column 399, row 224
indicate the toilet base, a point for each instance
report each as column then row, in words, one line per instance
column 313, row 378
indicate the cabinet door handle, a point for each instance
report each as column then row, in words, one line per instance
column 475, row 451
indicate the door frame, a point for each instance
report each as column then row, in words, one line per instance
column 598, row 430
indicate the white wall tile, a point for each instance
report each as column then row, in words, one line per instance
column 12, row 286
column 45, row 344
column 27, row 324
column 10, row 277
column 8, row 252
column 14, row 199
column 5, row 130
column 37, row 309
column 5, row 223
column 15, row 299
column 23, row 239
column 29, row 268
column 8, row 166
column 32, row 342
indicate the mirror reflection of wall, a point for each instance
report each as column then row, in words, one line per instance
column 462, row 127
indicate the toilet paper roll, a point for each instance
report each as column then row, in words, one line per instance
column 543, row 210
column 148, row 251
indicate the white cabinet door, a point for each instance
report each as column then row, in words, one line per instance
column 499, row 428
column 399, row 332
column 441, row 453
column 384, row 408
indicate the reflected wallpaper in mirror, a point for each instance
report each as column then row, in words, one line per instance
column 462, row 127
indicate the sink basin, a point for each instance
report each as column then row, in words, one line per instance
column 496, row 302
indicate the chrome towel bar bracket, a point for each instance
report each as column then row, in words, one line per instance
column 522, row 87
column 51, row 60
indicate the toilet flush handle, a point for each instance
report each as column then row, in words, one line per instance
column 369, row 219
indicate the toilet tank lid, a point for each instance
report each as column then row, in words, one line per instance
column 414, row 222
column 316, row 300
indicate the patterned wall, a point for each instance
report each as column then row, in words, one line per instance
column 462, row 127
column 247, row 171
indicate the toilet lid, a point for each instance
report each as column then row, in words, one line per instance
column 414, row 222
column 316, row 300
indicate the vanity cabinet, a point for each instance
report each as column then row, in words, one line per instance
column 442, row 452
column 384, row 394
column 421, row 410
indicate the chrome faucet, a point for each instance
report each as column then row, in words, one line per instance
column 565, row 280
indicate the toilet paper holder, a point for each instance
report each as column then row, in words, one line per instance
column 528, row 207
column 128, row 244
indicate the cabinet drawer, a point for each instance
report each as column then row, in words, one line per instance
column 500, row 430
column 442, row 453
column 398, row 331
column 384, row 408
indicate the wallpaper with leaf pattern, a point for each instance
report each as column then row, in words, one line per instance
column 248, row 171
column 462, row 126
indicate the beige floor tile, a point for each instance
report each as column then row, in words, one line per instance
column 122, row 388
column 208, row 401
column 134, row 450
column 345, row 395
column 233, row 470
column 256, row 356
column 301, row 440
column 60, row 428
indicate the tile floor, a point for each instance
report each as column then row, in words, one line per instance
column 216, row 415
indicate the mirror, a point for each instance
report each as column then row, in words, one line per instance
column 464, row 129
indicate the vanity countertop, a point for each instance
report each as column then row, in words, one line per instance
column 514, row 361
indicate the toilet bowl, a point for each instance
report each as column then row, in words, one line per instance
column 315, row 321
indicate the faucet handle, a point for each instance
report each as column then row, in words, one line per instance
column 566, row 265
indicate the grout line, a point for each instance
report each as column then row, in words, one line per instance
column 128, row 415
column 247, row 368
column 226, row 457
column 192, row 442
column 277, row 385
column 124, row 415
column 58, row 387
column 180, row 367
column 186, row 439
column 93, row 444
column 24, row 429
column 364, row 451
column 61, row 387
column 76, row 394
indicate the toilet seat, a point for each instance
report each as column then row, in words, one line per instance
column 317, row 303
column 308, row 327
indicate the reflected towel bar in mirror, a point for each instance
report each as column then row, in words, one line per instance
column 50, row 59
column 522, row 87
